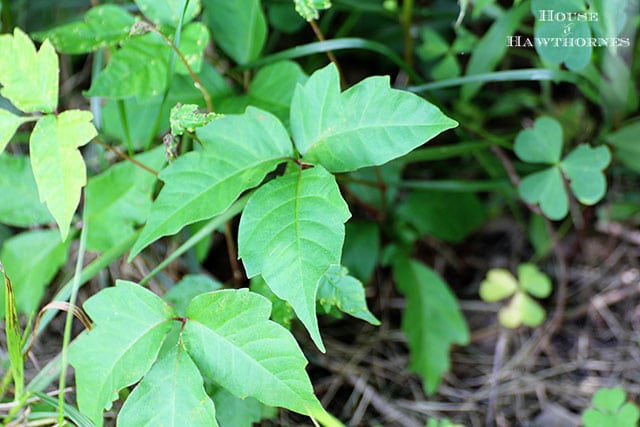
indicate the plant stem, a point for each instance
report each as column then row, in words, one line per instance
column 405, row 20
column 125, row 156
column 213, row 224
column 125, row 125
column 232, row 252
column 196, row 80
column 69, row 318
column 330, row 55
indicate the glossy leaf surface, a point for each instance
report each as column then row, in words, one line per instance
column 238, row 151
column 130, row 325
column 253, row 355
column 369, row 124
column 57, row 163
column 30, row 77
column 291, row 231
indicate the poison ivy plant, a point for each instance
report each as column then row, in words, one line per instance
column 610, row 408
column 140, row 68
column 522, row 308
column 254, row 356
column 583, row 168
column 431, row 321
column 346, row 293
column 243, row 148
column 57, row 163
column 292, row 228
column 103, row 26
column 336, row 129
column 31, row 84
column 291, row 231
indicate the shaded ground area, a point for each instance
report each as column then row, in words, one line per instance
column 513, row 377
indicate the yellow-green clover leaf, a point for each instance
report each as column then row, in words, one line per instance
column 522, row 309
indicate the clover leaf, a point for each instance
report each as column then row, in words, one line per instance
column 522, row 309
column 562, row 40
column 609, row 410
column 582, row 167
column 437, row 50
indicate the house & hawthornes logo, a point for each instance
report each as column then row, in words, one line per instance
column 566, row 37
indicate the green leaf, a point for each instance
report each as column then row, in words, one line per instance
column 13, row 335
column 345, row 292
column 30, row 78
column 542, row 143
column 433, row 46
column 131, row 324
column 252, row 356
column 32, row 259
column 281, row 311
column 361, row 249
column 191, row 285
column 57, row 164
column 137, row 69
column 9, row 124
column 238, row 152
column 239, row 26
column 625, row 144
column 498, row 285
column 170, row 394
column 610, row 409
column 141, row 67
column 103, row 26
column 138, row 115
column 234, row 412
column 284, row 18
column 521, row 310
column 432, row 320
column 308, row 9
column 612, row 16
column 369, row 124
column 583, row 168
column 487, row 54
column 546, row 189
column 20, row 205
column 119, row 199
column 187, row 118
column 446, row 215
column 534, row 281
column 291, row 231
column 193, row 40
column 168, row 12
column 609, row 399
column 548, row 29
column 271, row 90
column 532, row 314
